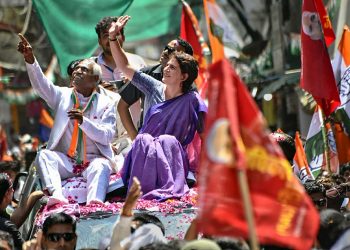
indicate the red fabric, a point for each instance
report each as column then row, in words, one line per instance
column 191, row 34
column 328, row 32
column 316, row 74
column 236, row 139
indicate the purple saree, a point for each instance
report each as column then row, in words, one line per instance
column 158, row 157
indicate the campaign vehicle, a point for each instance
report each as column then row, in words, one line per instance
column 95, row 222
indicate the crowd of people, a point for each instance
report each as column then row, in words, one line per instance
column 117, row 116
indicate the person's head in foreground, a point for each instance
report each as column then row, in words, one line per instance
column 6, row 190
column 286, row 142
column 6, row 241
column 333, row 225
column 59, row 232
column 202, row 244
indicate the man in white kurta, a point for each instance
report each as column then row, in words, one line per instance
column 82, row 111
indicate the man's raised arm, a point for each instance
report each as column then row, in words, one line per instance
column 26, row 49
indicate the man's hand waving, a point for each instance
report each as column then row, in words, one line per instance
column 25, row 48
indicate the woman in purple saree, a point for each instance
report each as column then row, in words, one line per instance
column 158, row 156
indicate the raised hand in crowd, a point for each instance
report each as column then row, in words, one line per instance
column 132, row 197
column 25, row 49
column 34, row 244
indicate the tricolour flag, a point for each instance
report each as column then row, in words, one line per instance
column 341, row 69
column 190, row 31
column 236, row 139
column 319, row 142
column 316, row 74
column 341, row 59
column 301, row 166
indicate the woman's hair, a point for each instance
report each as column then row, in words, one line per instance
column 5, row 184
column 188, row 65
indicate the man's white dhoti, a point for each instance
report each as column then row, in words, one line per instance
column 55, row 167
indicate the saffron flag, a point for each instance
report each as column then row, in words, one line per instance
column 342, row 143
column 213, row 15
column 45, row 125
column 301, row 167
column 3, row 143
column 316, row 73
column 236, row 139
column 190, row 31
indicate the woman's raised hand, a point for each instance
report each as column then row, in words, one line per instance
column 117, row 26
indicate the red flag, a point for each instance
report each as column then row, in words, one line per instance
column 235, row 140
column 317, row 75
column 191, row 33
column 327, row 29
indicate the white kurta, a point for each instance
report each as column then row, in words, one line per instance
column 98, row 126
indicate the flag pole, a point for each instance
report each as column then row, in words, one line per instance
column 248, row 210
column 325, row 140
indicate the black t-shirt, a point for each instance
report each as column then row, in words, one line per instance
column 8, row 226
column 130, row 94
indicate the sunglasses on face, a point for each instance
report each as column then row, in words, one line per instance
column 169, row 49
column 55, row 237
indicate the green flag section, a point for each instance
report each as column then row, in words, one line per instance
column 342, row 115
column 70, row 25
column 314, row 146
column 321, row 144
column 153, row 18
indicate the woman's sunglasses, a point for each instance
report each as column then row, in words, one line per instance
column 55, row 237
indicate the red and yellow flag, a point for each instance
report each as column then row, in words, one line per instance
column 236, row 139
